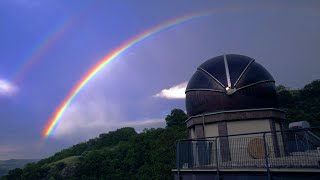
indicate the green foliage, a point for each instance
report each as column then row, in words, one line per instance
column 60, row 166
column 104, row 140
column 148, row 155
column 177, row 117
column 7, row 165
column 66, row 161
column 34, row 171
column 120, row 154
column 15, row 174
column 303, row 104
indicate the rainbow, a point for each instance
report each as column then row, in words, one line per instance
column 38, row 51
column 53, row 122
column 42, row 47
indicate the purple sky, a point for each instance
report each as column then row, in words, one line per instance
column 283, row 37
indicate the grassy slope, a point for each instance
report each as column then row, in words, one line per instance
column 68, row 161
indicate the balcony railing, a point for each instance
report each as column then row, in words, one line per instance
column 298, row 148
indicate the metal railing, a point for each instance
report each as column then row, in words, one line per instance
column 279, row 149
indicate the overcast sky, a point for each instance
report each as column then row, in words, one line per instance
column 47, row 46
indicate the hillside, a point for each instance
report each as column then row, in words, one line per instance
column 7, row 165
column 302, row 104
column 117, row 154
column 126, row 154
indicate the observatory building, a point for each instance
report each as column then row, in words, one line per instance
column 236, row 129
column 232, row 94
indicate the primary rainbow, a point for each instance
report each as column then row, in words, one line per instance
column 111, row 56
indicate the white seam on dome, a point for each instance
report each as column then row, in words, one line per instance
column 226, row 66
column 245, row 69
column 213, row 90
column 259, row 82
column 211, row 76
column 231, row 111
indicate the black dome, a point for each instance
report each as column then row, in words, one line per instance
column 230, row 82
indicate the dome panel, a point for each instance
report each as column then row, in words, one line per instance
column 199, row 102
column 216, row 68
column 237, row 64
column 255, row 73
column 255, row 88
column 201, row 80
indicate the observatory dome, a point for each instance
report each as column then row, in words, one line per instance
column 230, row 82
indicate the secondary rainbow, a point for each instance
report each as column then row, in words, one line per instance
column 111, row 56
column 50, row 38
column 41, row 48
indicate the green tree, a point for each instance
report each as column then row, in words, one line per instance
column 302, row 104
column 60, row 166
column 120, row 154
column 177, row 117
column 15, row 174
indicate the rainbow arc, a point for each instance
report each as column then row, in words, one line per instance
column 53, row 122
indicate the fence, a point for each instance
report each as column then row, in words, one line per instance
column 280, row 149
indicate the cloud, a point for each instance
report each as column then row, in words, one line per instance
column 175, row 92
column 93, row 113
column 7, row 88
column 87, row 117
column 148, row 123
column 87, row 120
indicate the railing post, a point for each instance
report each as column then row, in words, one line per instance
column 178, row 159
column 266, row 155
column 217, row 157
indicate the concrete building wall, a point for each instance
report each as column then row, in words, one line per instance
column 241, row 122
column 192, row 133
column 239, row 145
column 211, row 130
column 278, row 127
column 197, row 130
column 248, row 126
column 280, row 139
